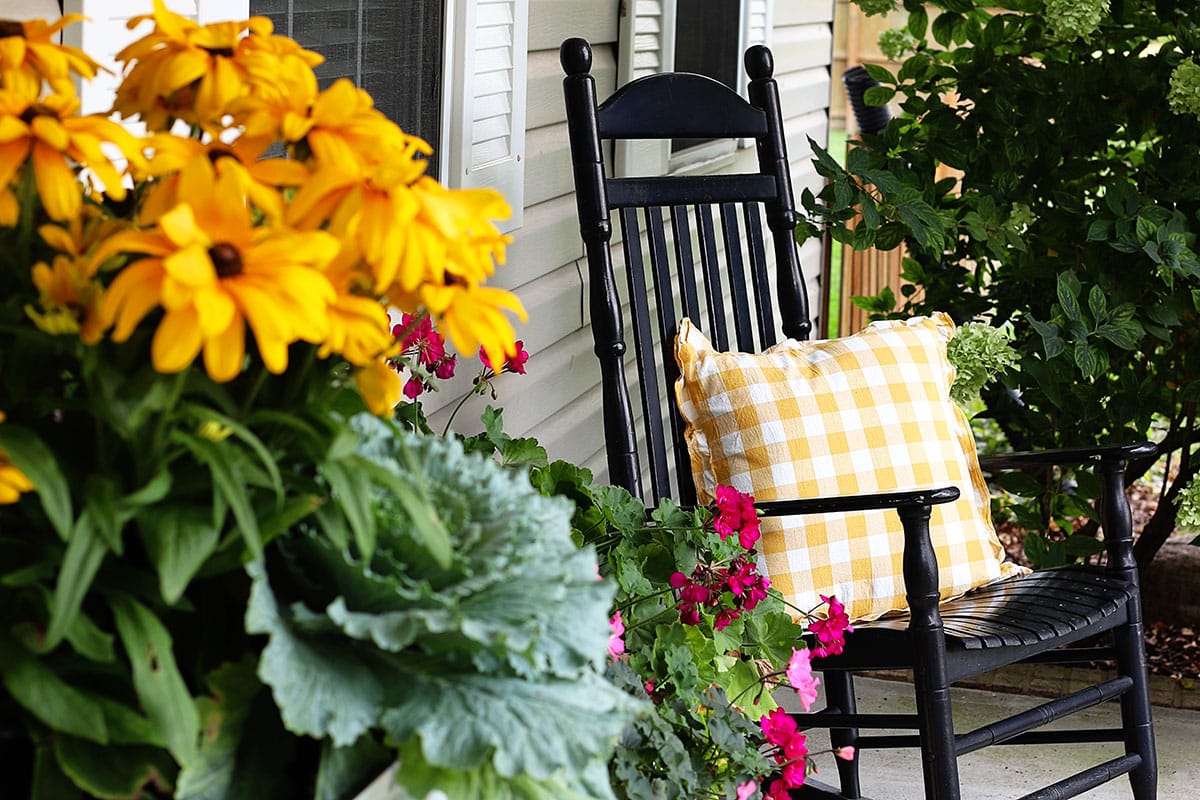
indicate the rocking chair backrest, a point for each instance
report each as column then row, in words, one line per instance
column 693, row 246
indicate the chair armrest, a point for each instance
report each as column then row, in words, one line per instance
column 1070, row 455
column 863, row 502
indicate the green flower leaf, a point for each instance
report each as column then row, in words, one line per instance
column 49, row 698
column 85, row 552
column 30, row 455
column 243, row 749
column 179, row 539
column 113, row 773
column 156, row 679
column 228, row 482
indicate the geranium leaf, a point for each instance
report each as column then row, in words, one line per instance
column 29, row 454
column 160, row 688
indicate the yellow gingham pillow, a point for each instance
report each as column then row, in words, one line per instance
column 867, row 413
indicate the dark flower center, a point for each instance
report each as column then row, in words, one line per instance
column 215, row 154
column 9, row 27
column 226, row 259
column 227, row 52
column 37, row 110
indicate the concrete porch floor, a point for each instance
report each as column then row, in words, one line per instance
column 1006, row 772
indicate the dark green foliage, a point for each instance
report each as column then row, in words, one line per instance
column 1074, row 214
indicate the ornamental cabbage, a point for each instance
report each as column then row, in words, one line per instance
column 488, row 664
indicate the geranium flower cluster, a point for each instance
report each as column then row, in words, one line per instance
column 831, row 631
column 724, row 590
column 422, row 354
column 736, row 514
column 227, row 253
column 790, row 752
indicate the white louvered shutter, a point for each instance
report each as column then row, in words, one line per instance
column 646, row 45
column 487, row 116
column 756, row 29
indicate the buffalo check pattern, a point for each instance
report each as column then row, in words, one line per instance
column 866, row 413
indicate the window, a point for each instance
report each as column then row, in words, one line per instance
column 392, row 48
column 450, row 71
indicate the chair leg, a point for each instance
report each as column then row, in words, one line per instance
column 839, row 687
column 939, row 761
column 1129, row 638
column 939, row 757
column 1135, row 706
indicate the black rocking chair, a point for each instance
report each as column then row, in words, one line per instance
column 1033, row 618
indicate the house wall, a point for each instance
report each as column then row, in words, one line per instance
column 558, row 401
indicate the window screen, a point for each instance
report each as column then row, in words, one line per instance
column 391, row 48
column 707, row 39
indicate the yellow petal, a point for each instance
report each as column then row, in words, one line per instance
column 133, row 294
column 215, row 310
column 191, row 266
column 379, row 386
column 177, row 341
column 179, row 225
column 224, row 354
column 62, row 194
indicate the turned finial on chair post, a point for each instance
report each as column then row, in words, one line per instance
column 759, row 62
column 575, row 55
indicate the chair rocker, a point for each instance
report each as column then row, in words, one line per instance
column 719, row 277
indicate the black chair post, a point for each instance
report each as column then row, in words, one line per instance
column 781, row 214
column 1128, row 639
column 587, row 160
column 939, row 760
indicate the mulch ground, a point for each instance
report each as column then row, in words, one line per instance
column 1171, row 649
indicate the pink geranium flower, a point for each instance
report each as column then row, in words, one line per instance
column 616, row 645
column 513, row 363
column 747, row 790
column 736, row 514
column 831, row 631
column 778, row 727
column 800, row 677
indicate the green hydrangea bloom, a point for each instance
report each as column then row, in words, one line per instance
column 874, row 8
column 895, row 43
column 1075, row 19
column 1019, row 219
column 979, row 353
column 1184, row 94
column 1189, row 504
